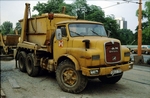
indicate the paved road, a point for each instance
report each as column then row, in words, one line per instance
column 134, row 84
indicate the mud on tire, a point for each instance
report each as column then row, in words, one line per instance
column 69, row 79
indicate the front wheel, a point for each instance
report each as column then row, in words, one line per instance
column 110, row 80
column 69, row 79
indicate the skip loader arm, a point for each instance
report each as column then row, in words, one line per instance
column 24, row 25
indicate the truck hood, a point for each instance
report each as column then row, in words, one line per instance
column 108, row 49
column 95, row 42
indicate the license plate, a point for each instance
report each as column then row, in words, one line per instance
column 115, row 71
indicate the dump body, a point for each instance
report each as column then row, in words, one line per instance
column 41, row 28
column 8, row 43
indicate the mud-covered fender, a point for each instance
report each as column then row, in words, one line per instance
column 73, row 59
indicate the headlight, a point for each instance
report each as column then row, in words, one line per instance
column 94, row 72
column 127, row 54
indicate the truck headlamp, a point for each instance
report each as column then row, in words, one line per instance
column 94, row 72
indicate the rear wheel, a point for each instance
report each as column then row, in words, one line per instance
column 69, row 79
column 22, row 61
column 110, row 80
column 32, row 70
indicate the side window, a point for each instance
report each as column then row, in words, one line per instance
column 63, row 30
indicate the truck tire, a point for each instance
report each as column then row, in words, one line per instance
column 110, row 80
column 69, row 79
column 32, row 70
column 22, row 61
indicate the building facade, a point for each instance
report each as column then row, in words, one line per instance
column 121, row 22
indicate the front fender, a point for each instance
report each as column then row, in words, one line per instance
column 73, row 59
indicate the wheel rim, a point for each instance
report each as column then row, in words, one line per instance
column 69, row 77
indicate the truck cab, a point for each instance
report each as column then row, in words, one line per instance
column 86, row 42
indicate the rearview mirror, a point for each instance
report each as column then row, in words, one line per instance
column 58, row 34
column 108, row 33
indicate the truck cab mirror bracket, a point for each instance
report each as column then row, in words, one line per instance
column 108, row 33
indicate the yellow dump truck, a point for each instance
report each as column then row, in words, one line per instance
column 75, row 49
column 7, row 44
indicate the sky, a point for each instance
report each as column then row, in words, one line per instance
column 13, row 10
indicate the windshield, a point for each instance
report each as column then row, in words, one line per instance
column 79, row 29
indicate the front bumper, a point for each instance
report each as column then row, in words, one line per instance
column 106, row 70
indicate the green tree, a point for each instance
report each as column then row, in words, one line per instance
column 7, row 28
column 81, row 9
column 54, row 6
column 145, row 24
column 18, row 27
column 126, row 36
column 94, row 13
column 111, row 25
column 50, row 6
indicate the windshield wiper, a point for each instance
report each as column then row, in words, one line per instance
column 76, row 33
column 96, row 33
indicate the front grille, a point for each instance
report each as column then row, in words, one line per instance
column 112, row 52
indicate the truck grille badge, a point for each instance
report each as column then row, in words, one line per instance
column 114, row 58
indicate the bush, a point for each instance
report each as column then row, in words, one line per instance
column 148, row 61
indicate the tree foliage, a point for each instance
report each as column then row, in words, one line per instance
column 81, row 9
column 7, row 28
column 54, row 6
column 145, row 24
column 111, row 25
column 126, row 36
column 94, row 13
column 18, row 27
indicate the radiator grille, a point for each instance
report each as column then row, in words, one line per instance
column 112, row 52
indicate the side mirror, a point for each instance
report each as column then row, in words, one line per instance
column 58, row 34
column 108, row 33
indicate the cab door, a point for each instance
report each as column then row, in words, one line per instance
column 60, row 46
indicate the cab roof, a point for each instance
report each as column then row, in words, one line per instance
column 79, row 21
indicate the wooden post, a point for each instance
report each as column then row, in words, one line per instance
column 138, row 59
column 139, row 28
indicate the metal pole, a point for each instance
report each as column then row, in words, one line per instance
column 139, row 28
